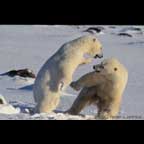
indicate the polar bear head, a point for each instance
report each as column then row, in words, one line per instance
column 112, row 69
column 90, row 45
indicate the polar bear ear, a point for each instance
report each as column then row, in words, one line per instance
column 115, row 69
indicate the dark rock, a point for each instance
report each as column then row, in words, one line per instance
column 125, row 34
column 22, row 72
column 136, row 29
column 94, row 29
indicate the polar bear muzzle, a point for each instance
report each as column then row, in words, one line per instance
column 98, row 67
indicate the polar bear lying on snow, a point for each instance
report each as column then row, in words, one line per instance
column 56, row 74
column 103, row 87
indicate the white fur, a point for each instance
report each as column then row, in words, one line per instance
column 56, row 74
column 6, row 108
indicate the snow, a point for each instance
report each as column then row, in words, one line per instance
column 29, row 46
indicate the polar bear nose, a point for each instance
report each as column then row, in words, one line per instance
column 98, row 55
column 94, row 67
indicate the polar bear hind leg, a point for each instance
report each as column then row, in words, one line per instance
column 81, row 102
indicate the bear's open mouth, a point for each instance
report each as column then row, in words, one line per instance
column 98, row 71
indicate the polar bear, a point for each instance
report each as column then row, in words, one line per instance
column 103, row 87
column 56, row 74
column 6, row 108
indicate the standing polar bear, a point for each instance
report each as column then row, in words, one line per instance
column 103, row 87
column 56, row 73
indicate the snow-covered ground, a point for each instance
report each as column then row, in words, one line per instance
column 29, row 46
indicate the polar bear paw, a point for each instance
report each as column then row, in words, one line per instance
column 75, row 86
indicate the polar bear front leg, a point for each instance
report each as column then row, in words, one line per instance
column 87, row 80
column 108, row 110
column 114, row 107
column 48, row 103
column 83, row 100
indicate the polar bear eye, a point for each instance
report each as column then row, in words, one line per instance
column 94, row 40
column 115, row 69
